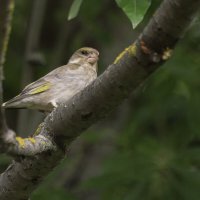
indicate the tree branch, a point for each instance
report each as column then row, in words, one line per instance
column 6, row 13
column 131, row 68
column 31, row 146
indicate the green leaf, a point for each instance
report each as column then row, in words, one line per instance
column 134, row 9
column 74, row 9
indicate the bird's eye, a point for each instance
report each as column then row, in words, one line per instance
column 84, row 52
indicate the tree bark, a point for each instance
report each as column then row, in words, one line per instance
column 130, row 69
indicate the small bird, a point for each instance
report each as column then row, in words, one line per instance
column 59, row 85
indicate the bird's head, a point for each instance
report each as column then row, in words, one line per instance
column 85, row 54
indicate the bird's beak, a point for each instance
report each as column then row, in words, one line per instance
column 92, row 59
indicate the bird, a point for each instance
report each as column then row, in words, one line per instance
column 59, row 85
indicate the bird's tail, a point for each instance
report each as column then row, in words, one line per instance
column 14, row 103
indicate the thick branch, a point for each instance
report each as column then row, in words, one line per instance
column 130, row 70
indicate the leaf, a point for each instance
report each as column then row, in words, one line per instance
column 134, row 9
column 74, row 9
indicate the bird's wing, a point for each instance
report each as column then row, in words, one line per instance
column 43, row 84
column 39, row 86
column 36, row 87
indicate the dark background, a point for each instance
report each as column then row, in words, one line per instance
column 148, row 149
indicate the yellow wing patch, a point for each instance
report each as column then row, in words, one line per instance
column 41, row 88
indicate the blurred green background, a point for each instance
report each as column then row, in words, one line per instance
column 148, row 149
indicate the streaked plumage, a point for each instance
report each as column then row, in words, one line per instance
column 60, row 84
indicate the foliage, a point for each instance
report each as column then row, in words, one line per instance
column 134, row 9
column 74, row 9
